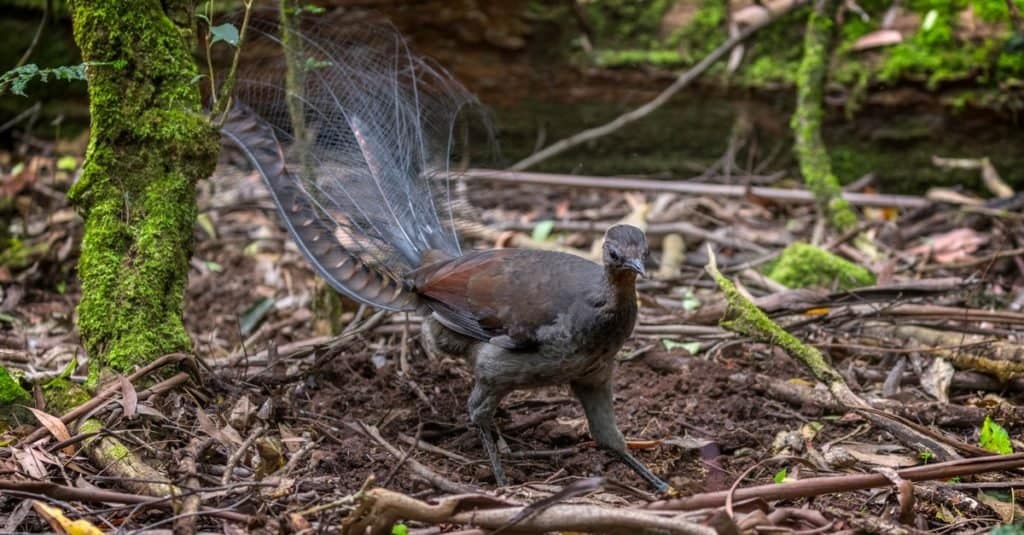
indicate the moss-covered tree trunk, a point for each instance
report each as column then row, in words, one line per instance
column 150, row 142
column 806, row 123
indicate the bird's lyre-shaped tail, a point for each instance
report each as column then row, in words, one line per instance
column 353, row 136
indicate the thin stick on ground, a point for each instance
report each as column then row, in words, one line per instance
column 418, row 468
column 831, row 484
column 878, row 200
column 105, row 394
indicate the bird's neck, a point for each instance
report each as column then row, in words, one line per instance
column 622, row 284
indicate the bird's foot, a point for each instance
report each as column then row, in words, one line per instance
column 492, row 455
column 641, row 469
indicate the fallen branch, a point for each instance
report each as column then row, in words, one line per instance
column 682, row 81
column 379, row 509
column 806, row 488
column 743, row 317
column 653, row 229
column 938, row 413
column 876, row 200
column 185, row 522
column 1001, row 358
column 94, row 495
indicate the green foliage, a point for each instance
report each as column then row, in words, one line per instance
column 226, row 32
column 780, row 476
column 542, row 230
column 625, row 58
column 13, row 399
column 702, row 34
column 254, row 315
column 17, row 79
column 16, row 254
column 627, row 22
column 802, row 265
column 690, row 347
column 993, row 437
column 307, row 8
column 67, row 163
column 690, row 301
column 399, row 529
column 934, row 54
column 63, row 395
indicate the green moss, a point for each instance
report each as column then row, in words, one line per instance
column 802, row 265
column 17, row 255
column 702, row 34
column 11, row 391
column 112, row 450
column 623, row 58
column 13, row 399
column 933, row 54
column 809, row 146
column 62, row 395
column 91, row 426
column 743, row 316
column 150, row 143
column 627, row 22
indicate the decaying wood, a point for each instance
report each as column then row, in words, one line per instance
column 999, row 357
column 380, row 509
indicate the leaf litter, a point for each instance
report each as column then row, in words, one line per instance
column 282, row 404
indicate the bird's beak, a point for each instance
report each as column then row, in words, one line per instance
column 637, row 265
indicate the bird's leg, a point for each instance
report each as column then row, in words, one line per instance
column 483, row 402
column 597, row 404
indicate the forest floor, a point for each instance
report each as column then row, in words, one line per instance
column 285, row 424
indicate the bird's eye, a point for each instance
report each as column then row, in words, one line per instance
column 614, row 255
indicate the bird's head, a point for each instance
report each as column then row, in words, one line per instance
column 625, row 250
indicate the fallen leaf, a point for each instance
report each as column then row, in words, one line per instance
column 56, row 428
column 62, row 524
column 33, row 461
column 952, row 246
column 1006, row 509
column 129, row 398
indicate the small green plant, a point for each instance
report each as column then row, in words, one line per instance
column 542, row 230
column 994, row 438
column 399, row 529
column 691, row 347
column 780, row 476
column 925, row 455
column 17, row 79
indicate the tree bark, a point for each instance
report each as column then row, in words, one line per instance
column 806, row 123
column 150, row 143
